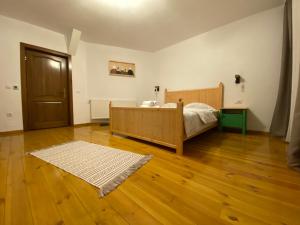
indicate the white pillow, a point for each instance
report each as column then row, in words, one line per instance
column 197, row 105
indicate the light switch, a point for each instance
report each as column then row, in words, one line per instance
column 243, row 88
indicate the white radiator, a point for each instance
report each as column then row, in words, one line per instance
column 100, row 107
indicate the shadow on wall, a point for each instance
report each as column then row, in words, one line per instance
column 255, row 122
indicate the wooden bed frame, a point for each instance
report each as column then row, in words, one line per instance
column 164, row 126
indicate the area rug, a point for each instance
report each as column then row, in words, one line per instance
column 101, row 166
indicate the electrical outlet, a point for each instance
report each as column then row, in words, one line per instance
column 9, row 115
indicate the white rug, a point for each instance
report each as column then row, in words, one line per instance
column 101, row 166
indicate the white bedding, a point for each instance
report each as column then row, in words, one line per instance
column 193, row 123
column 197, row 117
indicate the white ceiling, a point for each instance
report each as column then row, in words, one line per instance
column 147, row 25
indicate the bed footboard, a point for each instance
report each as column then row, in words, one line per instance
column 162, row 126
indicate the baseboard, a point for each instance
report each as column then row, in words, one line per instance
column 85, row 124
column 254, row 132
column 102, row 122
column 13, row 132
column 259, row 132
column 265, row 133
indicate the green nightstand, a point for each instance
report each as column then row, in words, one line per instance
column 234, row 118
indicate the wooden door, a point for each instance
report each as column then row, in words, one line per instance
column 47, row 88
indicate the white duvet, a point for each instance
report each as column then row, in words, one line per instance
column 197, row 117
column 196, row 120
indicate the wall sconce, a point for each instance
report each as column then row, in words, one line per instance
column 156, row 90
column 237, row 79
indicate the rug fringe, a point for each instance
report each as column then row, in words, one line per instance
column 113, row 184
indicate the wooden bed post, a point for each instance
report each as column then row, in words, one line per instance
column 110, row 117
column 166, row 92
column 179, row 128
column 221, row 95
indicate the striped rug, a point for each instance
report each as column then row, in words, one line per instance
column 101, row 166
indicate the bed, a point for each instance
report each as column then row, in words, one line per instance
column 165, row 125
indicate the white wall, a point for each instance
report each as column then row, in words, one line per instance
column 89, row 71
column 12, row 33
column 296, row 60
column 250, row 47
column 81, row 107
column 102, row 85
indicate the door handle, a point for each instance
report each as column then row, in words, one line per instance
column 50, row 102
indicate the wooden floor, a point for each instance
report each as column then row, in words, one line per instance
column 223, row 178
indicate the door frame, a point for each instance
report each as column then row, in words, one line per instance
column 23, row 48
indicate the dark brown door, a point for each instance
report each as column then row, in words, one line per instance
column 46, row 90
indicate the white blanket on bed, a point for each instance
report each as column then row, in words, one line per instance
column 206, row 115
column 197, row 119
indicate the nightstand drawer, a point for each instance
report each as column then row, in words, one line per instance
column 232, row 120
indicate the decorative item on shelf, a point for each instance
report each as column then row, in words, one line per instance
column 113, row 70
column 121, row 69
column 130, row 72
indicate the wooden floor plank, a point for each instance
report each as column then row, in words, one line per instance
column 223, row 178
column 190, row 204
column 69, row 206
column 130, row 210
column 213, row 199
column 246, row 181
column 154, row 206
column 4, row 153
column 98, row 208
column 41, row 200
column 17, row 206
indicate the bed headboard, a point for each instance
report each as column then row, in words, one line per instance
column 209, row 96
